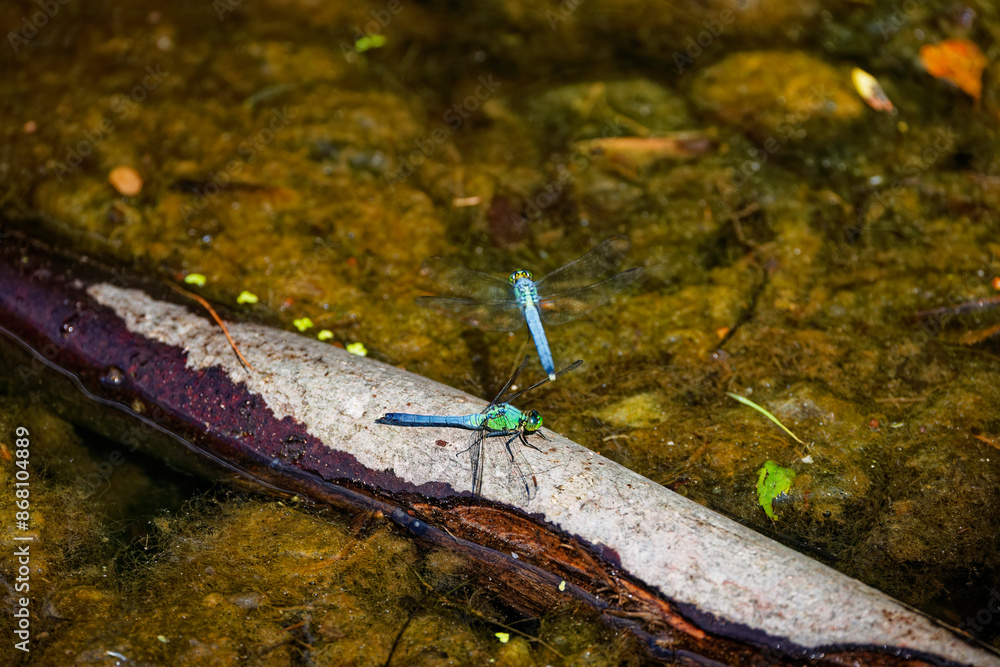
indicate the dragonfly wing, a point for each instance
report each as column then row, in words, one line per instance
column 599, row 263
column 496, row 399
column 492, row 315
column 513, row 397
column 463, row 282
column 561, row 308
column 521, row 477
column 511, row 464
column 476, row 458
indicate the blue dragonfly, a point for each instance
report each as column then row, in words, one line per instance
column 482, row 300
column 499, row 419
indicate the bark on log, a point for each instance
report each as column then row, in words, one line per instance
column 698, row 587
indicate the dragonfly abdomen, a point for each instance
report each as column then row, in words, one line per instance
column 471, row 422
column 541, row 342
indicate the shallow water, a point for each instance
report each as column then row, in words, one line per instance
column 790, row 233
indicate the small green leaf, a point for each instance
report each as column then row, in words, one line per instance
column 325, row 334
column 369, row 42
column 195, row 279
column 504, row 637
column 749, row 403
column 246, row 297
column 358, row 349
column 772, row 481
column 302, row 323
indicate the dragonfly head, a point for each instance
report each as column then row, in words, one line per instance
column 517, row 275
column 532, row 421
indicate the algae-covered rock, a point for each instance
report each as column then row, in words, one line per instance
column 695, row 32
column 641, row 410
column 780, row 98
column 599, row 109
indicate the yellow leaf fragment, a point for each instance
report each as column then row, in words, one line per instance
column 870, row 90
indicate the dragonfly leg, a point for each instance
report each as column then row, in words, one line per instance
column 511, row 441
column 473, row 443
column 524, row 475
column 524, row 440
column 500, row 434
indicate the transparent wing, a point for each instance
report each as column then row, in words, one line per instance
column 566, row 306
column 459, row 281
column 519, row 473
column 600, row 262
column 496, row 399
column 521, row 478
column 513, row 397
column 493, row 315
column 476, row 457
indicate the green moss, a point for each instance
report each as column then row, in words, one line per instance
column 788, row 96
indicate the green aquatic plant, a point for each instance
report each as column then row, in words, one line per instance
column 748, row 402
column 772, row 481
column 369, row 42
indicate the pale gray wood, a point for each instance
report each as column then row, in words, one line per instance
column 689, row 553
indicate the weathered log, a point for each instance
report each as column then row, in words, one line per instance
column 698, row 587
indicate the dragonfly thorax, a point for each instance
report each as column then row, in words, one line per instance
column 505, row 417
column 525, row 291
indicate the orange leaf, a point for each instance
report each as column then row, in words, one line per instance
column 957, row 60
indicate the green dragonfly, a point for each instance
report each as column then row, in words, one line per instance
column 482, row 300
column 499, row 419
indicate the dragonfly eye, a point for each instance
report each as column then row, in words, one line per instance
column 517, row 275
column 534, row 422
